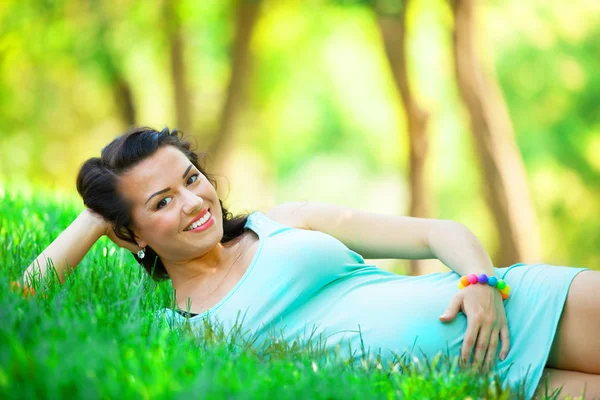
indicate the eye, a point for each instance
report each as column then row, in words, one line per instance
column 163, row 202
column 193, row 179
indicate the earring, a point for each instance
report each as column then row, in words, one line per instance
column 141, row 254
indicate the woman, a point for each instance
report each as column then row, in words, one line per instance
column 292, row 269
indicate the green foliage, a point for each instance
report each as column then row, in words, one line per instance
column 97, row 336
column 321, row 119
column 551, row 86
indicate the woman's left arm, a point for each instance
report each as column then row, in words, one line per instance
column 377, row 236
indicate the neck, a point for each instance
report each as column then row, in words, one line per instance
column 189, row 275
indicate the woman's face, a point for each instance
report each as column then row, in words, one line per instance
column 168, row 193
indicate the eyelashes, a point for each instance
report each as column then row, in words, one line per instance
column 197, row 176
column 163, row 203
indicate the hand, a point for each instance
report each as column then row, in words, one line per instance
column 107, row 229
column 95, row 219
column 486, row 323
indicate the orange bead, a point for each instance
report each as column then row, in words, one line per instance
column 465, row 281
column 504, row 296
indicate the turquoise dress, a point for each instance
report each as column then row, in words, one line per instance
column 302, row 283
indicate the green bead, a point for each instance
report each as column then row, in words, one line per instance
column 501, row 284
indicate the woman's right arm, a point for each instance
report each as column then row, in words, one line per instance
column 69, row 247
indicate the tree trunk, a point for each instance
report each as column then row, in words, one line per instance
column 220, row 150
column 506, row 189
column 178, row 70
column 393, row 31
column 123, row 99
column 104, row 53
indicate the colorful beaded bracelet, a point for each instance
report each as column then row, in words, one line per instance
column 472, row 279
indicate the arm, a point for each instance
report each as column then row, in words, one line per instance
column 69, row 247
column 389, row 236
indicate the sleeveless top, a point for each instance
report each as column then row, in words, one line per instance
column 306, row 284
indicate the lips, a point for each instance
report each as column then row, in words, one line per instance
column 197, row 218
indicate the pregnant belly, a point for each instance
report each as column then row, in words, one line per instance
column 394, row 317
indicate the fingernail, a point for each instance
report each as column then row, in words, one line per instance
column 502, row 356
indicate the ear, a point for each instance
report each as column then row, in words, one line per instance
column 140, row 242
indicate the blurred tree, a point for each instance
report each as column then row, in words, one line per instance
column 105, row 55
column 548, row 69
column 392, row 21
column 73, row 74
column 183, row 114
column 505, row 187
column 247, row 13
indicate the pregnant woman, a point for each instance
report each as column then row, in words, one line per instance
column 299, row 267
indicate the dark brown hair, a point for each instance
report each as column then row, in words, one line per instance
column 98, row 178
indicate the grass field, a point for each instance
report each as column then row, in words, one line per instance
column 96, row 336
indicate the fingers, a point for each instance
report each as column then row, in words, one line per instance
column 490, row 358
column 505, row 338
column 122, row 243
column 497, row 334
column 483, row 341
column 473, row 326
column 481, row 335
column 453, row 309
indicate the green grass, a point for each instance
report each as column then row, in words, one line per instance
column 96, row 336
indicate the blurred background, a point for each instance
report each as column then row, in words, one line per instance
column 483, row 112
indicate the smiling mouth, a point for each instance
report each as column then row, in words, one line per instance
column 200, row 222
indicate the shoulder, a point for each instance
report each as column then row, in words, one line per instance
column 312, row 215
column 292, row 214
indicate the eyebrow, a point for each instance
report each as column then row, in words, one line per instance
column 186, row 171
column 167, row 189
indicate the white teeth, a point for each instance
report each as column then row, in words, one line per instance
column 201, row 221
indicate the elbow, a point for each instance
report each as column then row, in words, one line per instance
column 442, row 232
column 449, row 227
column 458, row 226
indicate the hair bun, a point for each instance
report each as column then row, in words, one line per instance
column 92, row 175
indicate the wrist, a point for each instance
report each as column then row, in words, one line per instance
column 94, row 222
column 476, row 267
column 486, row 280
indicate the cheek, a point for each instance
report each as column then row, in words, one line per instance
column 158, row 225
column 165, row 223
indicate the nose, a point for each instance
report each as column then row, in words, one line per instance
column 191, row 202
